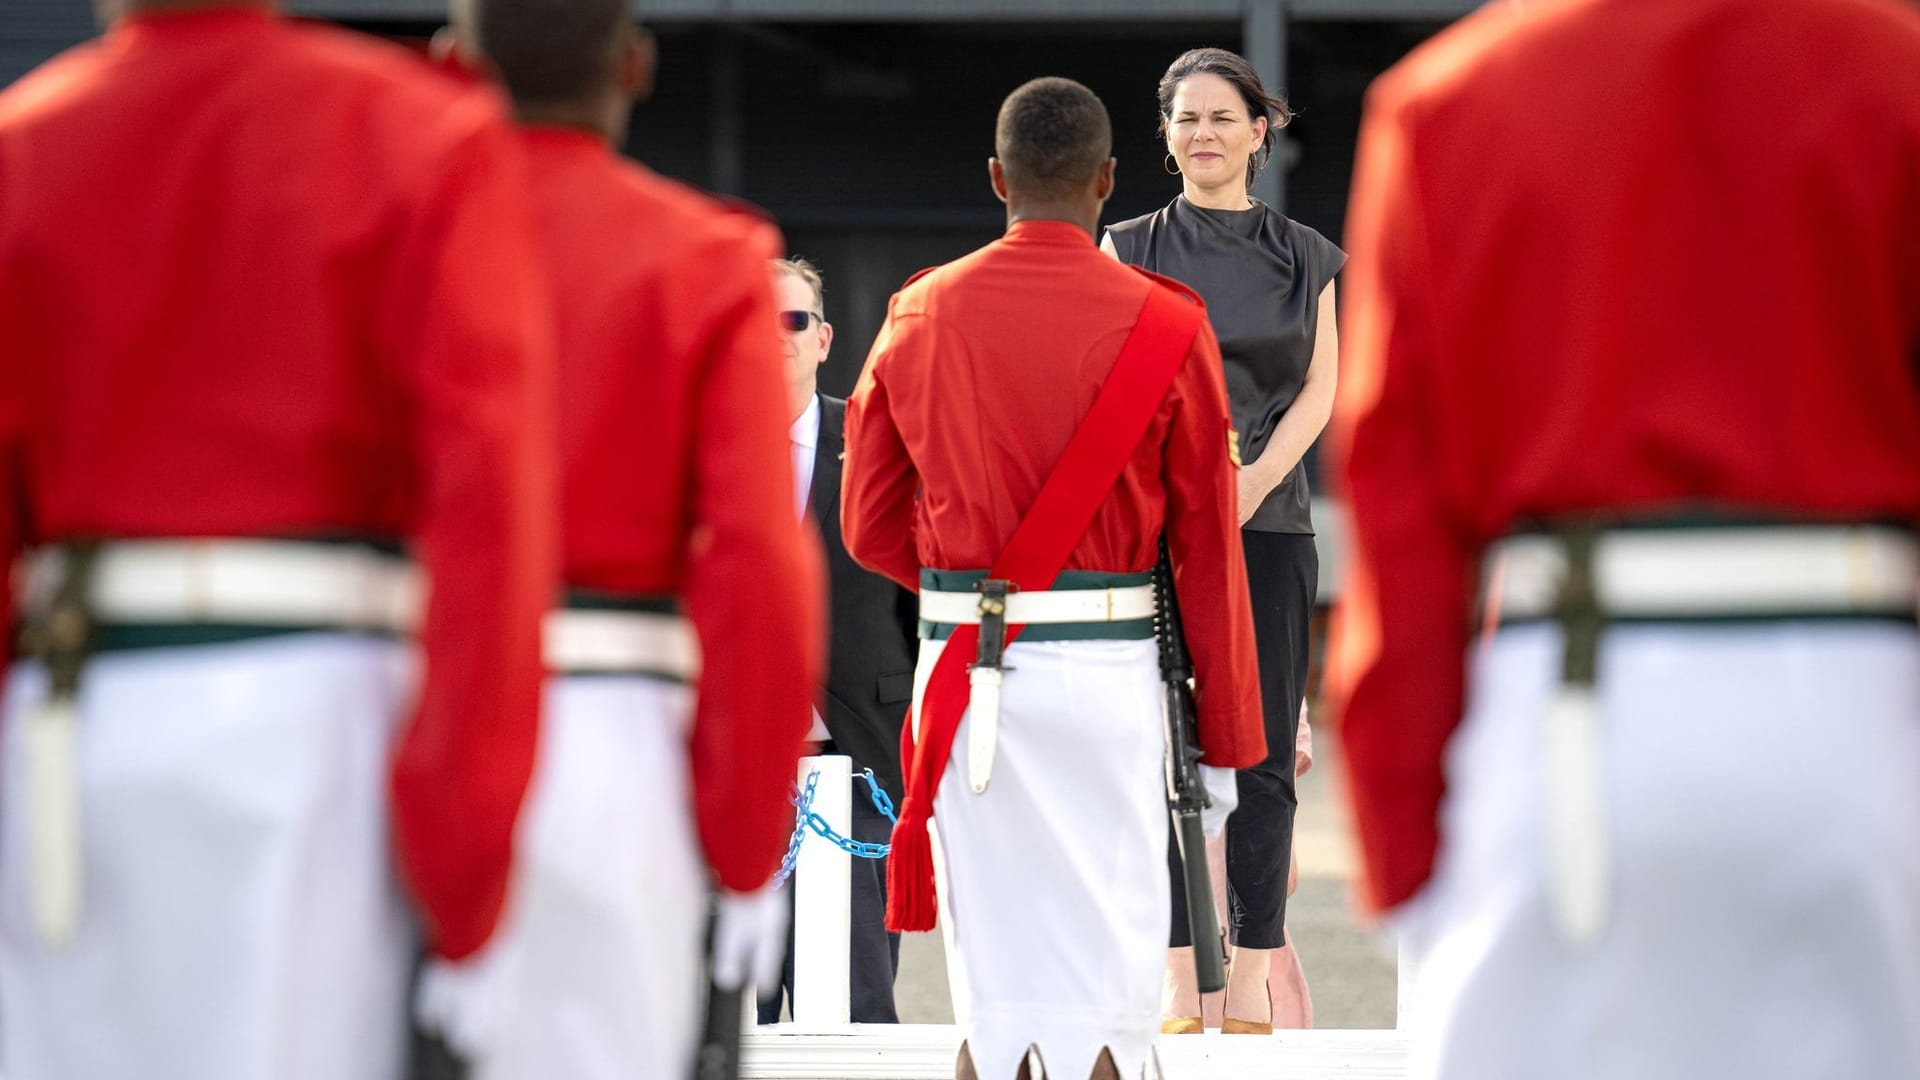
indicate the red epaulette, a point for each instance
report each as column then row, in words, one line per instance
column 1170, row 283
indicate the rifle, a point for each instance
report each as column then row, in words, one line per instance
column 1186, row 791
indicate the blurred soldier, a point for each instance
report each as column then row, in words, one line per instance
column 1635, row 322
column 676, row 496
column 1031, row 407
column 269, row 320
column 871, row 645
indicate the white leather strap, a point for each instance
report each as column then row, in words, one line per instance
column 253, row 582
column 1123, row 604
column 1717, row 572
column 621, row 642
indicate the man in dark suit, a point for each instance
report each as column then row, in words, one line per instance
column 872, row 650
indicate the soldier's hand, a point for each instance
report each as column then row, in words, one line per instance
column 457, row 1010
column 749, row 938
column 1223, row 794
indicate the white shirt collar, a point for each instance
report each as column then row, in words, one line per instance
column 806, row 430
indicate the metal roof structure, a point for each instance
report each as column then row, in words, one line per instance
column 33, row 30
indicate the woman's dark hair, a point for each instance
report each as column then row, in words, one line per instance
column 1234, row 68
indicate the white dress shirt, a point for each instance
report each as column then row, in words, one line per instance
column 804, row 436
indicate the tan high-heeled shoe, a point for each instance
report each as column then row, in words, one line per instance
column 1182, row 1025
column 1232, row 1026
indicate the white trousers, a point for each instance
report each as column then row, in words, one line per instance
column 595, row 970
column 1763, row 798
column 240, row 918
column 1056, row 877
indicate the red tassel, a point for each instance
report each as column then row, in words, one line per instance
column 912, row 904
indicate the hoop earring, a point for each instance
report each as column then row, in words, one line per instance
column 1172, row 167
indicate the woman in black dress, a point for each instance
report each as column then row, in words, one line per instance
column 1268, row 284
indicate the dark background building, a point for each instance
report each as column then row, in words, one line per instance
column 864, row 126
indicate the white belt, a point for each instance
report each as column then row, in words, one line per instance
column 582, row 642
column 1675, row 573
column 1125, row 603
column 257, row 582
column 252, row 582
column 1717, row 571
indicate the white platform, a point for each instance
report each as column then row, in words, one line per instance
column 926, row 1052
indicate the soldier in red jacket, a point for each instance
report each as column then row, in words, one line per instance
column 270, row 326
column 1052, row 818
column 676, row 500
column 1635, row 312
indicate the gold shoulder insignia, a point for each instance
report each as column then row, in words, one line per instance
column 1233, row 447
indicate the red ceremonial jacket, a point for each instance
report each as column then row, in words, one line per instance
column 677, row 476
column 263, row 279
column 979, row 378
column 1610, row 256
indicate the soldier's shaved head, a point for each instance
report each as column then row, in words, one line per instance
column 572, row 63
column 1052, row 137
column 548, row 52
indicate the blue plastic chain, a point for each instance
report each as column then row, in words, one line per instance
column 805, row 819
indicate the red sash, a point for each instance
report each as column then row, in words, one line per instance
column 1036, row 554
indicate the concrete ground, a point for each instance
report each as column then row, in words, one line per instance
column 1350, row 968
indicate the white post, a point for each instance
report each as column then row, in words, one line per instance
column 822, row 899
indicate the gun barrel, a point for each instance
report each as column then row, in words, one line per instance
column 1186, row 794
column 1209, row 967
column 719, row 1056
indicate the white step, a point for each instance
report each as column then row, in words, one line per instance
column 926, row 1052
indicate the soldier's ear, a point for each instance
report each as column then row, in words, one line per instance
column 997, row 176
column 452, row 47
column 1103, row 181
column 443, row 48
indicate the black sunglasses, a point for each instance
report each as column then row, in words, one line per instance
column 793, row 322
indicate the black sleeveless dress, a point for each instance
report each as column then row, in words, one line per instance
column 1261, row 274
